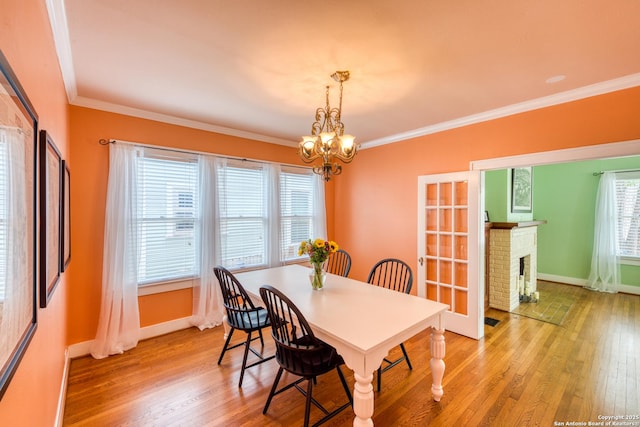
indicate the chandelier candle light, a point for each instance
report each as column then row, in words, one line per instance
column 327, row 140
column 318, row 250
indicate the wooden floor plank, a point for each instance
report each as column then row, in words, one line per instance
column 524, row 372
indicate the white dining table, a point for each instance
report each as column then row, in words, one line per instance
column 363, row 322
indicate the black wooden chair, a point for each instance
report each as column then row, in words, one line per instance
column 299, row 352
column 242, row 315
column 338, row 263
column 392, row 274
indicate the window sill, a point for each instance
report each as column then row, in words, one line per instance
column 629, row 261
column 176, row 285
column 157, row 288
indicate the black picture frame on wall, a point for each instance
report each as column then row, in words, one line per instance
column 65, row 242
column 50, row 169
column 522, row 190
column 18, row 280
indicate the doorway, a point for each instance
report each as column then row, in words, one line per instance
column 600, row 152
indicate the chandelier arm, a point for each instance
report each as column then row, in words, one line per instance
column 346, row 159
column 328, row 169
column 305, row 158
column 321, row 118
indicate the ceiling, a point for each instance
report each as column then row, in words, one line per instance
column 259, row 68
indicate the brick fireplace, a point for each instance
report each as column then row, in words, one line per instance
column 514, row 259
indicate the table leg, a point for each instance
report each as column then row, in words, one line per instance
column 437, row 362
column 363, row 400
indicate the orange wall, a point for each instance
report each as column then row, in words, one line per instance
column 26, row 41
column 89, row 175
column 376, row 196
column 371, row 206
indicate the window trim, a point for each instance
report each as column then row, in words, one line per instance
column 627, row 260
column 166, row 286
column 153, row 155
column 627, row 175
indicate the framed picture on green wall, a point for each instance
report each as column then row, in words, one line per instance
column 521, row 190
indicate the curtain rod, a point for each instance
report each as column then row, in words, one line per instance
column 616, row 171
column 177, row 150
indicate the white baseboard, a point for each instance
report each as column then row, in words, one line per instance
column 627, row 289
column 84, row 348
column 63, row 390
column 562, row 279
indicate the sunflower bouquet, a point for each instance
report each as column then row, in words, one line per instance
column 318, row 251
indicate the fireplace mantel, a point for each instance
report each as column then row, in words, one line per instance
column 522, row 224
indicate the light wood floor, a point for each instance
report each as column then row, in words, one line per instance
column 523, row 373
column 552, row 306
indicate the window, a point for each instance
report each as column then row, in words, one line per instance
column 167, row 215
column 243, row 214
column 628, row 214
column 248, row 233
column 263, row 213
column 296, row 210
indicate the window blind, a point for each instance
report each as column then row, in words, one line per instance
column 167, row 216
column 296, row 210
column 628, row 213
column 242, row 197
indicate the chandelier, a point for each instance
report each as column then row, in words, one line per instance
column 327, row 140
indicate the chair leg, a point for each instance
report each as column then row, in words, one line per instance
column 261, row 339
column 345, row 385
column 307, row 406
column 226, row 345
column 394, row 363
column 273, row 390
column 406, row 356
column 244, row 359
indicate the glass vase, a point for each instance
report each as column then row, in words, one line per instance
column 317, row 276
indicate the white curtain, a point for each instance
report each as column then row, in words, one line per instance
column 605, row 269
column 207, row 298
column 119, row 322
column 319, row 212
column 274, row 246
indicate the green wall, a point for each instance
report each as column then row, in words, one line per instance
column 564, row 195
column 495, row 195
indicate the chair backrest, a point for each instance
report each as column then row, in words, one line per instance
column 240, row 308
column 393, row 274
column 338, row 263
column 297, row 348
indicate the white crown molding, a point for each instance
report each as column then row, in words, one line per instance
column 60, row 30
column 587, row 152
column 58, row 20
column 601, row 88
column 165, row 118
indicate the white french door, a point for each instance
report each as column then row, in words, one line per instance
column 448, row 248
